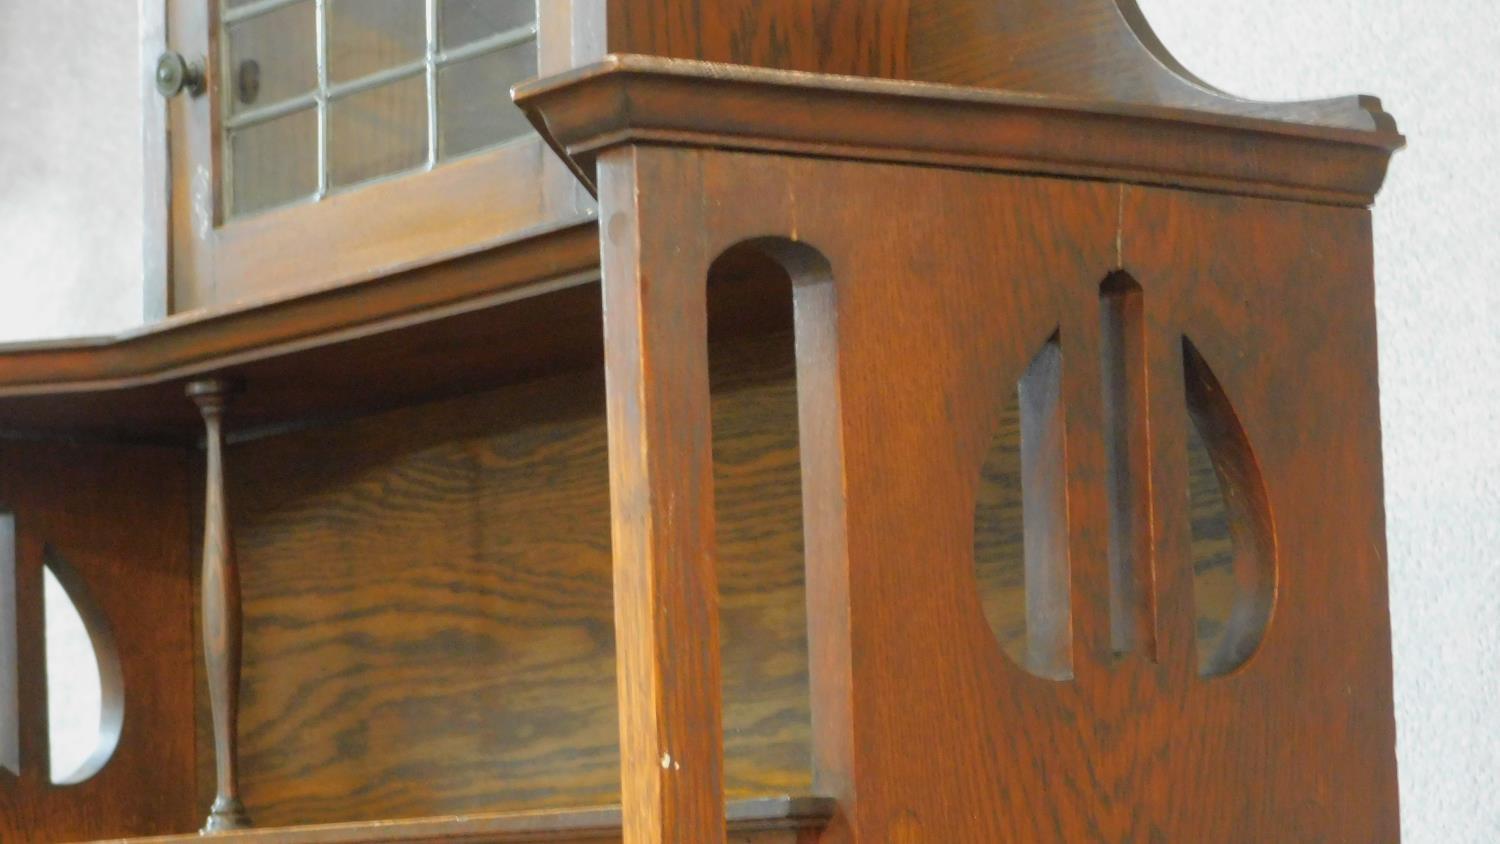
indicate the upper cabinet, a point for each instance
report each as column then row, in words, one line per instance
column 331, row 141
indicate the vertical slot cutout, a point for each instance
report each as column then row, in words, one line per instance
column 758, row 514
column 10, row 700
column 1127, row 448
column 1233, row 551
column 1020, row 524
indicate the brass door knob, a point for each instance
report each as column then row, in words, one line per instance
column 174, row 74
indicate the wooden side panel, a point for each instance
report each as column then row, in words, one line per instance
column 944, row 285
column 118, row 517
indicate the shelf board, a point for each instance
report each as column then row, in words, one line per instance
column 771, row 820
column 502, row 313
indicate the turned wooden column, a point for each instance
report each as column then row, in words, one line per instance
column 221, row 610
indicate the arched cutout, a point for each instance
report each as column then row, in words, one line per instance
column 85, row 696
column 1233, row 547
column 10, row 700
column 1020, row 524
column 757, row 301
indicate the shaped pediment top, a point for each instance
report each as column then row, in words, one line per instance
column 1098, row 50
column 1093, row 49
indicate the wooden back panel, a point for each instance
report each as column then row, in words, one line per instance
column 922, row 295
column 1101, row 50
column 428, row 616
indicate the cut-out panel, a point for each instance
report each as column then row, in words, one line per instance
column 85, row 705
column 1233, row 553
column 1020, row 525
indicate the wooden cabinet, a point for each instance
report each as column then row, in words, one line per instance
column 956, row 424
column 340, row 141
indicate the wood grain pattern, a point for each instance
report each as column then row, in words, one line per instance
column 1101, row 50
column 220, row 610
column 427, row 598
column 950, row 297
column 431, row 331
column 87, row 505
column 641, row 99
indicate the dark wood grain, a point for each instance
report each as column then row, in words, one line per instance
column 581, row 581
column 949, row 298
column 624, row 99
column 427, row 600
column 1101, row 50
column 220, row 609
column 118, row 518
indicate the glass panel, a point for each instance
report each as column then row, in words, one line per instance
column 463, row 21
column 273, row 56
column 369, row 35
column 378, row 132
column 474, row 106
column 275, row 162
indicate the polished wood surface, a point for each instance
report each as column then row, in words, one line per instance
column 1098, row 50
column 375, row 230
column 644, row 99
column 662, row 507
column 117, row 518
column 220, row 609
column 494, row 558
column 463, row 549
column 951, row 296
column 430, row 331
column 779, row 820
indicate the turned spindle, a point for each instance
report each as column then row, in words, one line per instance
column 221, row 611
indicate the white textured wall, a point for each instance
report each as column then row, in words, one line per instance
column 1436, row 65
column 69, row 263
column 70, row 239
column 70, row 168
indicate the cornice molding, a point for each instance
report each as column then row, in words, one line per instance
column 628, row 99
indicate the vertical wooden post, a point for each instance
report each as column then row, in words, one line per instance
column 221, row 611
column 661, row 496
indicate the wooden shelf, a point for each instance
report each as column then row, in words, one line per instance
column 771, row 820
column 498, row 314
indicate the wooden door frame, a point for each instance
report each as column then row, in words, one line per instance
column 398, row 223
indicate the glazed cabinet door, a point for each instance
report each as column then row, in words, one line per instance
column 321, row 142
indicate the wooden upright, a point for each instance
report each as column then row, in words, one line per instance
column 841, row 251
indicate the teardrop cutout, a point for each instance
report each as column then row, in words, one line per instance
column 1233, row 549
column 85, row 704
column 1020, row 528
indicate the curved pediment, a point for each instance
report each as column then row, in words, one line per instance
column 1094, row 50
column 1102, row 50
